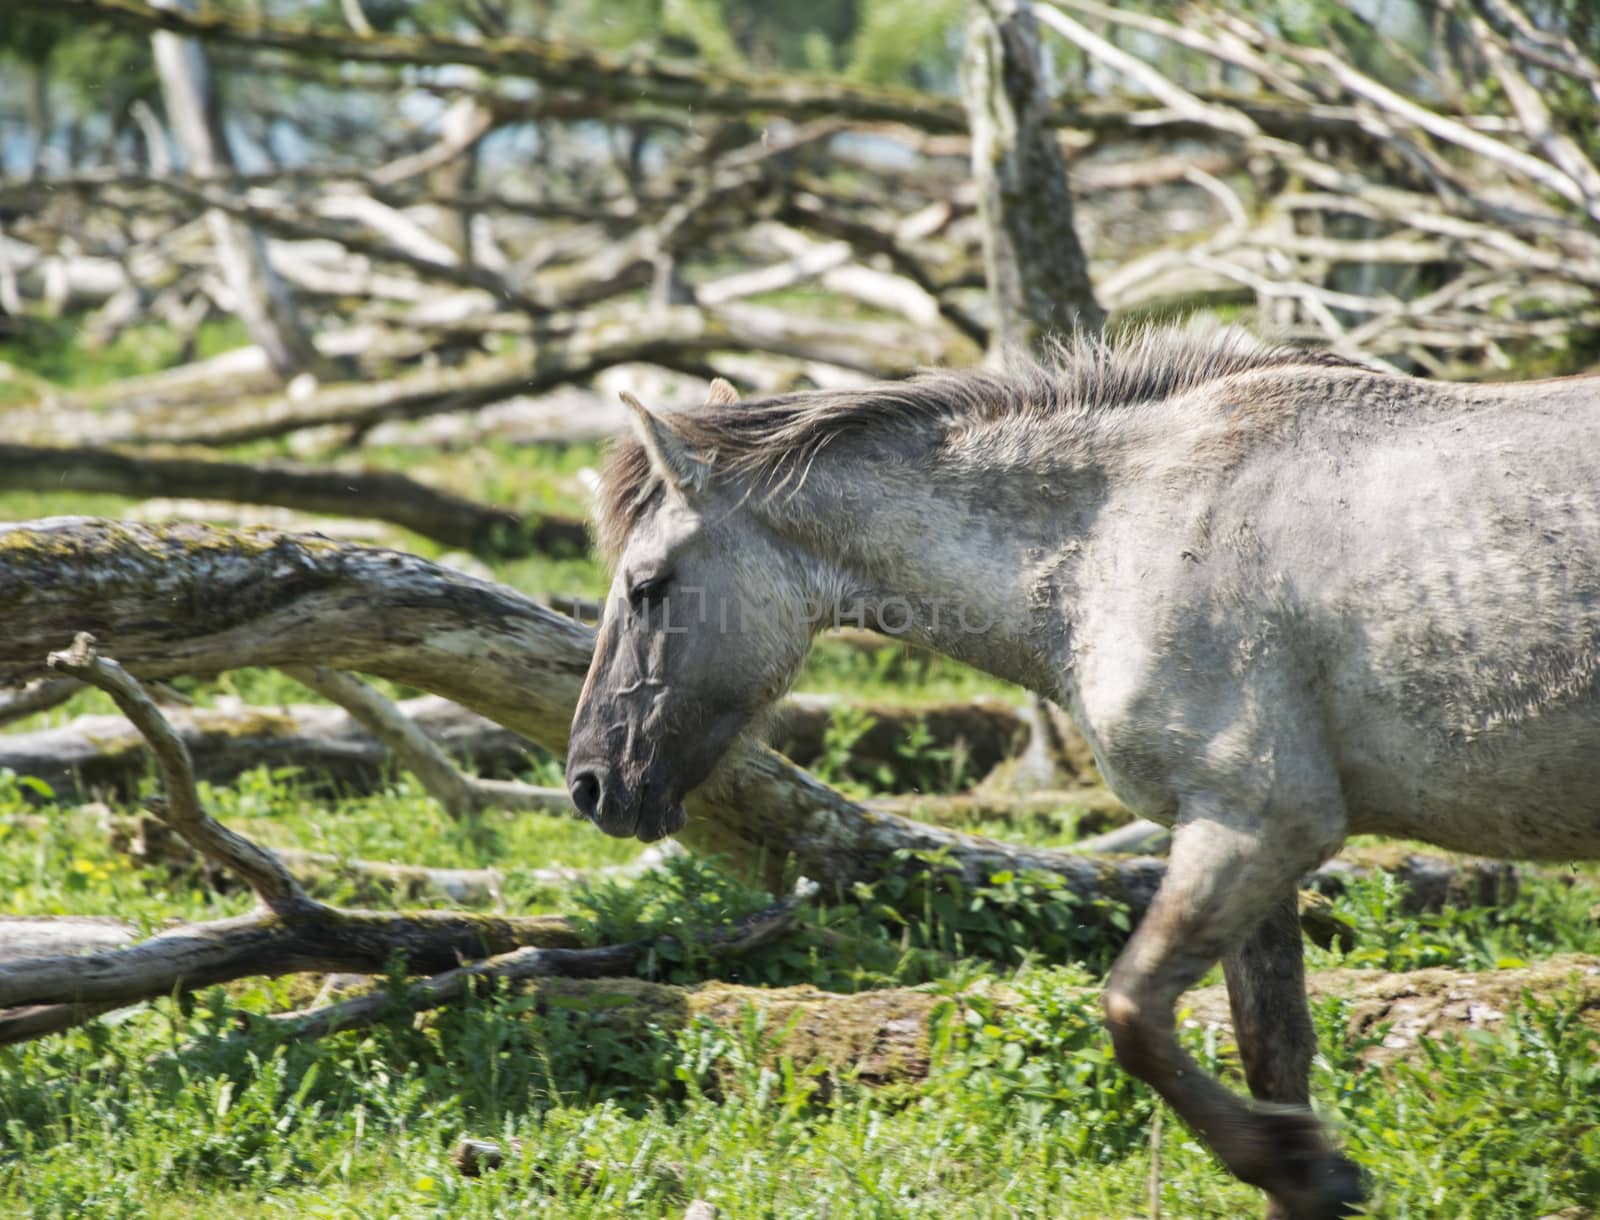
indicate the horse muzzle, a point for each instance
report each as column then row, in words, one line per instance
column 620, row 811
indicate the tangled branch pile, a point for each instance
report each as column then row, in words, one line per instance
column 1439, row 215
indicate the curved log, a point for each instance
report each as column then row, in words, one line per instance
column 191, row 599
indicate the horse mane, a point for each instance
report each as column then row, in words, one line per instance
column 775, row 439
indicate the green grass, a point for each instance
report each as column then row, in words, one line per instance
column 53, row 348
column 1023, row 1112
column 186, row 1107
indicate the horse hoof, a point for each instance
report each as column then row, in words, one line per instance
column 1333, row 1192
column 1342, row 1188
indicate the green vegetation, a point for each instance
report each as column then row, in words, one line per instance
column 194, row 1107
column 54, row 349
column 170, row 1110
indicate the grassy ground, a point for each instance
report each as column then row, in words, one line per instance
column 1018, row 1115
column 185, row 1108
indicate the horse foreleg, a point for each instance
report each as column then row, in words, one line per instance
column 1271, row 1019
column 1223, row 880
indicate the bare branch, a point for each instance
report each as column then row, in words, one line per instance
column 415, row 750
column 1180, row 100
column 1536, row 122
column 36, row 697
column 274, row 885
column 461, row 795
column 524, row 965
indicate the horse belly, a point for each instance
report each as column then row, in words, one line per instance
column 1458, row 643
column 1528, row 790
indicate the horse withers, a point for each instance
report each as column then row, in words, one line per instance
column 1285, row 598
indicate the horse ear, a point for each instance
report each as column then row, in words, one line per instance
column 673, row 460
column 721, row 394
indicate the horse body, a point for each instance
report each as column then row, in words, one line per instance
column 1285, row 600
column 1421, row 584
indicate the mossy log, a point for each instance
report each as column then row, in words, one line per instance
column 882, row 1037
column 372, row 494
column 1429, row 882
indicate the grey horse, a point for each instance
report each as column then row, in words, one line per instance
column 1287, row 600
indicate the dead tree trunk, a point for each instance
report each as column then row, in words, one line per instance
column 883, row 1037
column 1038, row 273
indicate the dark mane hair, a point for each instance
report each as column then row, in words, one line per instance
column 770, row 439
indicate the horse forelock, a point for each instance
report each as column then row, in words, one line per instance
column 772, row 442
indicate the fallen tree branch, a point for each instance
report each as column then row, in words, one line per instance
column 100, row 754
column 288, row 932
column 150, row 843
column 559, row 351
column 199, row 955
column 378, row 495
column 416, row 751
column 460, row 794
column 24, row 936
column 39, row 696
column 275, row 888
column 524, row 965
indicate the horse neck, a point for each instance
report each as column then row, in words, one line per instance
column 974, row 562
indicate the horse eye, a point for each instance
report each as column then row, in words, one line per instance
column 648, row 594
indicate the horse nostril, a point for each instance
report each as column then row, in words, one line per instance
column 585, row 789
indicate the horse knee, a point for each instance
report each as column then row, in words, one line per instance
column 1136, row 1029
